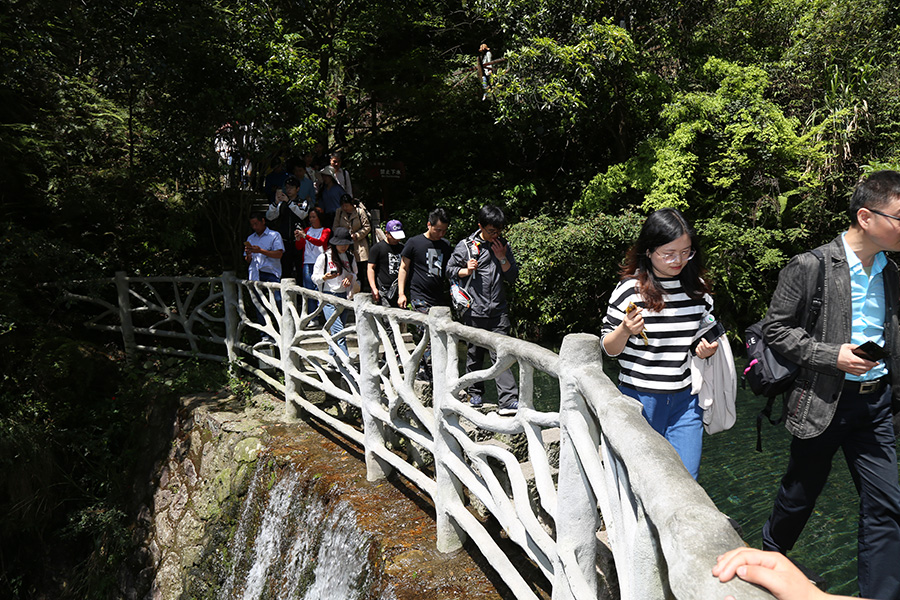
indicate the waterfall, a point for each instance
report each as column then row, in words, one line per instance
column 295, row 542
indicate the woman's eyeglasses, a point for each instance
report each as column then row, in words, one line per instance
column 672, row 257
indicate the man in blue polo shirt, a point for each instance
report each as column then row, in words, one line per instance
column 847, row 383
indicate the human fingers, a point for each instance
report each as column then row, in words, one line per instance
column 771, row 570
column 727, row 563
column 849, row 362
column 781, row 584
column 634, row 322
column 706, row 349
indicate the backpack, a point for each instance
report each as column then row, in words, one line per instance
column 769, row 373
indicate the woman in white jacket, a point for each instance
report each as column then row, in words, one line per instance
column 335, row 272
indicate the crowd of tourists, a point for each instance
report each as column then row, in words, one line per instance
column 673, row 357
column 317, row 233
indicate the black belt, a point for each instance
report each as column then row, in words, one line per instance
column 863, row 388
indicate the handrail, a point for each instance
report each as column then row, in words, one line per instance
column 663, row 529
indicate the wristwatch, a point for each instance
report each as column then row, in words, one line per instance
column 503, row 261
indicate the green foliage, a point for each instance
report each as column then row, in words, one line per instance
column 728, row 151
column 743, row 264
column 567, row 270
column 756, row 117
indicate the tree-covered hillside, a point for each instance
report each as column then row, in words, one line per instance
column 119, row 119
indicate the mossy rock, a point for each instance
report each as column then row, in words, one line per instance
column 221, row 486
column 247, row 450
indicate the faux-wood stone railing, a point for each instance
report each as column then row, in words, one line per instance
column 664, row 531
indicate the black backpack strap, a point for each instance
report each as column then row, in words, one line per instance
column 815, row 309
column 815, row 304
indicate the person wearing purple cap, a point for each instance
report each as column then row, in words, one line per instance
column 384, row 265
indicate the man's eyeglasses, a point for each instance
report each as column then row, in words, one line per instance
column 684, row 256
column 878, row 212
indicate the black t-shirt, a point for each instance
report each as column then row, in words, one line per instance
column 428, row 261
column 386, row 258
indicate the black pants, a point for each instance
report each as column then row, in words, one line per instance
column 507, row 389
column 289, row 259
column 862, row 428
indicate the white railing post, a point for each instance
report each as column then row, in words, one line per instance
column 576, row 518
column 449, row 493
column 288, row 329
column 369, row 387
column 230, row 292
column 128, row 338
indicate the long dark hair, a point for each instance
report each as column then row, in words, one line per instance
column 662, row 227
column 336, row 259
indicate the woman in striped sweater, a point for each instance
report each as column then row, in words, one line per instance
column 653, row 315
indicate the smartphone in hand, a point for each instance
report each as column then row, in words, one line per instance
column 871, row 351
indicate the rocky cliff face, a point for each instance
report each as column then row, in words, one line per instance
column 214, row 529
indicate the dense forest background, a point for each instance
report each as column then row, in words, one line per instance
column 754, row 117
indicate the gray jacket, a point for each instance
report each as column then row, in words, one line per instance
column 486, row 285
column 818, row 386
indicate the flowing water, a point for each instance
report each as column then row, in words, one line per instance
column 291, row 544
column 311, row 526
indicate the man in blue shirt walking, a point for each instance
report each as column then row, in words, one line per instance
column 848, row 384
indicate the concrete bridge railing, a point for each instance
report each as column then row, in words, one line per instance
column 664, row 531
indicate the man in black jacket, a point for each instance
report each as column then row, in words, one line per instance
column 483, row 262
column 848, row 380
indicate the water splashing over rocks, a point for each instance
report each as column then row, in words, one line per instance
column 248, row 508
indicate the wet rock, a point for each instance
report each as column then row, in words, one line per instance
column 196, row 441
column 215, row 427
column 168, row 584
column 192, row 555
column 164, row 477
column 408, row 561
column 241, row 480
column 207, row 476
column 247, row 450
column 206, row 503
column 243, row 426
column 207, row 461
column 189, row 531
column 155, row 554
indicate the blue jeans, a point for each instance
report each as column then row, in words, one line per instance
column 309, row 284
column 862, row 428
column 338, row 325
column 676, row 416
